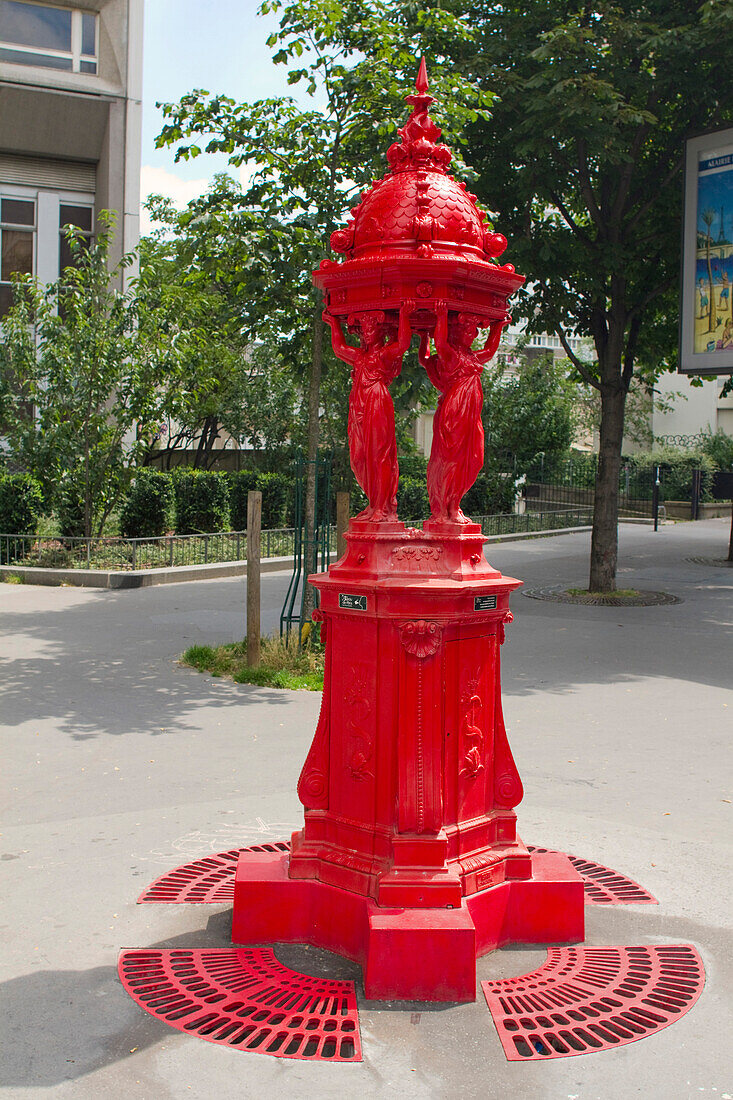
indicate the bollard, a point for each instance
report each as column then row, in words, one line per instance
column 254, row 533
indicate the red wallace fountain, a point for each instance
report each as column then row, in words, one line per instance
column 409, row 860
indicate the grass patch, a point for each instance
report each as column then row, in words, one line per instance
column 617, row 594
column 282, row 665
column 11, row 578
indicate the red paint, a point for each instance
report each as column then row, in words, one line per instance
column 583, row 1000
column 409, row 860
column 246, row 1000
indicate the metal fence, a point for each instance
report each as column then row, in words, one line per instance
column 572, row 484
column 223, row 546
column 121, row 553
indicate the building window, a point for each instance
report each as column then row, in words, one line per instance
column 53, row 38
column 81, row 217
column 17, row 228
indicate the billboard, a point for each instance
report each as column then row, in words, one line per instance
column 706, row 311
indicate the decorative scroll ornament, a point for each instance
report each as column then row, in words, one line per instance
column 420, row 638
column 419, row 148
column 359, row 708
column 473, row 738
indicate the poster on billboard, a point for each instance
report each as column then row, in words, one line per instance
column 706, row 309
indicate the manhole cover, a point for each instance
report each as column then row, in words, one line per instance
column 244, row 998
column 588, row 999
column 558, row 593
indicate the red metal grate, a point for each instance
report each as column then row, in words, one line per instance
column 604, row 886
column 211, row 879
column 244, row 998
column 204, row 881
column 586, row 999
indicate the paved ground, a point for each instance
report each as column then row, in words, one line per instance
column 121, row 765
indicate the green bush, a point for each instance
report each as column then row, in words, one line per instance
column 490, row 495
column 718, row 446
column 276, row 490
column 70, row 510
column 413, row 466
column 412, row 499
column 21, row 504
column 676, row 468
column 277, row 493
column 201, row 500
column 147, row 506
column 240, row 484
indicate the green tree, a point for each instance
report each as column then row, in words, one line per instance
column 79, row 396
column 310, row 165
column 219, row 379
column 583, row 156
column 527, row 411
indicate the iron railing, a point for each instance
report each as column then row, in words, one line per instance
column 65, row 552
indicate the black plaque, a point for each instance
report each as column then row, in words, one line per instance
column 356, row 603
column 484, row 603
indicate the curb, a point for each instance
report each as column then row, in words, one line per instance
column 143, row 578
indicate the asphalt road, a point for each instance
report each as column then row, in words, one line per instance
column 119, row 764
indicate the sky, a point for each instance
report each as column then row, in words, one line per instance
column 218, row 45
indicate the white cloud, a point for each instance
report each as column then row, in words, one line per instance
column 159, row 181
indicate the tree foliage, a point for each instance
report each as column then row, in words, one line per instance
column 583, row 156
column 79, row 397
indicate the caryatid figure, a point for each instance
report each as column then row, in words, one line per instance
column 372, row 443
column 457, row 453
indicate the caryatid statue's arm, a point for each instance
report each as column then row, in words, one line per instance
column 395, row 351
column 341, row 348
column 488, row 351
column 428, row 361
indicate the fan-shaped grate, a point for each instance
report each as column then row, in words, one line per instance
column 211, row 879
column 604, row 886
column 244, row 998
column 206, row 880
column 586, row 999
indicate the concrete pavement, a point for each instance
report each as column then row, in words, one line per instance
column 120, row 764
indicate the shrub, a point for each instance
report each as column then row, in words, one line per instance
column 21, row 504
column 412, row 498
column 240, row 484
column 676, row 471
column 201, row 500
column 145, row 512
column 490, row 495
column 276, row 492
column 413, row 466
column 70, row 510
column 718, row 446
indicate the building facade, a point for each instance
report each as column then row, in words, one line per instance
column 70, row 125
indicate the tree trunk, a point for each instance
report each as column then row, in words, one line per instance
column 604, row 540
column 314, row 390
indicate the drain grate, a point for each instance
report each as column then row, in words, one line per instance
column 244, row 998
column 587, row 999
column 204, row 881
column 604, row 886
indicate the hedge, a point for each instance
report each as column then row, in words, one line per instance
column 147, row 507
column 21, row 504
column 201, row 501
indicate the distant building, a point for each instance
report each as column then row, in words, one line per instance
column 70, row 125
column 694, row 409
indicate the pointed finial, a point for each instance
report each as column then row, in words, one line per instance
column 422, row 78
